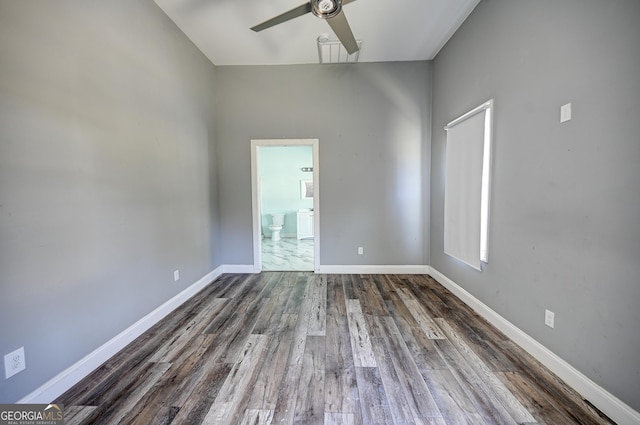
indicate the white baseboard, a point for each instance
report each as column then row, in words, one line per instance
column 610, row 405
column 75, row 373
column 373, row 269
column 239, row 268
column 341, row 269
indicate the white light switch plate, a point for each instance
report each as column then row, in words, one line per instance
column 565, row 112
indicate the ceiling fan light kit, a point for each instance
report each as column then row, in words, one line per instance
column 326, row 9
column 329, row 10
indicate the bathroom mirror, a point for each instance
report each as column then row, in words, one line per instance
column 306, row 189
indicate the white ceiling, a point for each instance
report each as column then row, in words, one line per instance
column 398, row 30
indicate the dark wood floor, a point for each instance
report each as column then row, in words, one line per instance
column 299, row 348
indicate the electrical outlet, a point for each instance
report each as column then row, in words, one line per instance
column 549, row 318
column 176, row 275
column 360, row 250
column 14, row 362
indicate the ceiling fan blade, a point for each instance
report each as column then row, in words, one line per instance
column 347, row 1
column 340, row 26
column 286, row 16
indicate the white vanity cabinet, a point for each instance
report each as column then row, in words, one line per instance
column 305, row 224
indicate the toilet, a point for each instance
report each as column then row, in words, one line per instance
column 277, row 220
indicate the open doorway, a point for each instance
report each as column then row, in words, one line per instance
column 284, row 187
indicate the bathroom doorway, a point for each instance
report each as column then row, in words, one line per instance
column 284, row 187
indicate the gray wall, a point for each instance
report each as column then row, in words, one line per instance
column 106, row 116
column 372, row 121
column 565, row 209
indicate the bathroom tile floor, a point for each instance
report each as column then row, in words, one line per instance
column 287, row 254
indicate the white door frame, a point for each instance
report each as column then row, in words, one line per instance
column 256, row 201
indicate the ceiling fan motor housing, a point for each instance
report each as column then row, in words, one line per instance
column 326, row 9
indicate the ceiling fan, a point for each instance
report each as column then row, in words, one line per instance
column 331, row 10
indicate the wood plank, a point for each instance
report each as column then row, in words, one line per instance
column 297, row 295
column 426, row 323
column 234, row 394
column 239, row 332
column 309, row 408
column 159, row 404
column 564, row 398
column 269, row 318
column 347, row 286
column 385, row 287
column 541, row 406
column 404, row 293
column 222, row 320
column 126, row 405
column 481, row 396
column 476, row 329
column 197, row 403
column 76, row 415
column 273, row 280
column 244, row 291
column 422, row 349
column 516, row 410
column 109, row 390
column 257, row 417
column 360, row 340
column 245, row 294
column 181, row 339
column 318, row 307
column 287, row 395
column 265, row 391
column 452, row 401
column 231, row 283
column 426, row 290
column 304, row 314
column 243, row 374
column 288, row 390
column 336, row 304
column 402, row 288
column 373, row 399
column 399, row 407
column 335, row 418
column 365, row 290
column 436, row 421
column 341, row 392
column 412, row 385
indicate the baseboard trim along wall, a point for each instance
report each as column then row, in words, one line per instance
column 616, row 409
column 75, row 373
column 373, row 269
column 239, row 268
column 340, row 269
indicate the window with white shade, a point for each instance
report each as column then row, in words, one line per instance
column 466, row 199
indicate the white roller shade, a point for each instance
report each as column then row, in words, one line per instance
column 466, row 186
